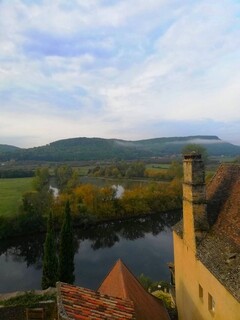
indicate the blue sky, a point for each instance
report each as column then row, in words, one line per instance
column 129, row 69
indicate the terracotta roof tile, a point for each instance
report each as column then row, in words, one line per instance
column 121, row 283
column 81, row 303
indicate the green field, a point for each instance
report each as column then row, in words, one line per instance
column 11, row 191
column 158, row 166
column 83, row 170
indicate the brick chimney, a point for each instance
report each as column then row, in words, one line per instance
column 195, row 222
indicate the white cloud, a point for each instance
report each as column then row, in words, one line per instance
column 113, row 67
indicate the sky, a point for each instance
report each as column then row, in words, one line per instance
column 127, row 69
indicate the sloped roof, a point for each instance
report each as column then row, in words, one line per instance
column 219, row 250
column 75, row 303
column 121, row 283
column 223, row 198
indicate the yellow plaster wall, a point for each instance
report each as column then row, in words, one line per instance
column 189, row 273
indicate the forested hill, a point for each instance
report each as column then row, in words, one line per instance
column 81, row 149
column 7, row 148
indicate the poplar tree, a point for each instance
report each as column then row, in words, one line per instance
column 66, row 248
column 50, row 261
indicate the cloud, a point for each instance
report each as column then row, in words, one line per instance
column 116, row 69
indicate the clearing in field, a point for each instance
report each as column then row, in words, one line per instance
column 11, row 191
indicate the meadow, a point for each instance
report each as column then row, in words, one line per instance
column 11, row 191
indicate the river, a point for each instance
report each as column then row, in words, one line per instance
column 125, row 183
column 144, row 244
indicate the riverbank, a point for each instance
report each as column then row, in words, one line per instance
column 96, row 250
column 89, row 223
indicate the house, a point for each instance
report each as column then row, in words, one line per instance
column 207, row 244
column 120, row 296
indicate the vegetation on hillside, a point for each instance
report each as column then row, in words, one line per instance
column 7, row 148
column 80, row 149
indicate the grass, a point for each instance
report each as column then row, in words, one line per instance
column 28, row 299
column 83, row 171
column 11, row 191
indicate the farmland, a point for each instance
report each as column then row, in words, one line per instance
column 11, row 191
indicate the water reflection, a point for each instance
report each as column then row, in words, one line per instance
column 29, row 250
column 119, row 190
column 107, row 234
column 96, row 249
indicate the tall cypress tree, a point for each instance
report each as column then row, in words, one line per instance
column 66, row 248
column 50, row 261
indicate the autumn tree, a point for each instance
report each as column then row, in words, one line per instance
column 50, row 261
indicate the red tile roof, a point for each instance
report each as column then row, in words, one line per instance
column 121, row 283
column 81, row 304
column 223, row 196
column 220, row 249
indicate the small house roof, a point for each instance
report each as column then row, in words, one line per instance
column 121, row 283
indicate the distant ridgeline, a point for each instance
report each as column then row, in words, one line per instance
column 85, row 149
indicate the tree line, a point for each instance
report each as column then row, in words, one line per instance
column 89, row 203
column 121, row 169
column 137, row 169
column 16, row 173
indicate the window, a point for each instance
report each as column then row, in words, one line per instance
column 211, row 303
column 200, row 291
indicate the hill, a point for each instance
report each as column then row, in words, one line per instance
column 85, row 149
column 7, row 148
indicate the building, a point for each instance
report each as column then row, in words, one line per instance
column 120, row 296
column 207, row 244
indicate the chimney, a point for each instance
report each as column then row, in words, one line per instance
column 195, row 223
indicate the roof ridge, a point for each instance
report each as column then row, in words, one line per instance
column 110, row 270
column 222, row 166
column 123, row 264
column 122, row 277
